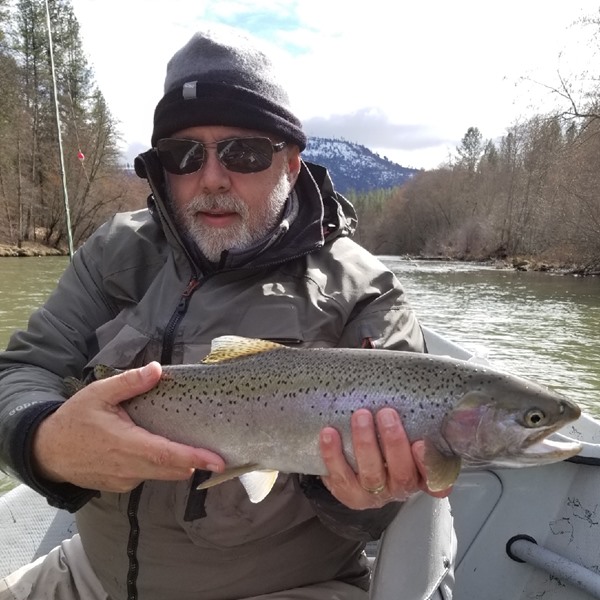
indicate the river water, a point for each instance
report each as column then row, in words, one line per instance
column 542, row 326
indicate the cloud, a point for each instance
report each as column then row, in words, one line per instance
column 408, row 82
column 371, row 127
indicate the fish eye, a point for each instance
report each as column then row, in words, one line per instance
column 534, row 417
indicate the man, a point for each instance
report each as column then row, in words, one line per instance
column 241, row 237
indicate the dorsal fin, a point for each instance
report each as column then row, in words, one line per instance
column 228, row 347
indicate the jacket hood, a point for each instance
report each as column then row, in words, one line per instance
column 320, row 215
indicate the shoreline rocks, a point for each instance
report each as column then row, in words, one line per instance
column 29, row 250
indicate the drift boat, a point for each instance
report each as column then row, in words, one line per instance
column 503, row 534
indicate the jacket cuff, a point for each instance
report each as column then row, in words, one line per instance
column 61, row 495
column 365, row 525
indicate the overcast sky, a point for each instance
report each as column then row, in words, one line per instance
column 406, row 79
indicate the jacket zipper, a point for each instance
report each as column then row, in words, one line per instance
column 175, row 320
column 192, row 286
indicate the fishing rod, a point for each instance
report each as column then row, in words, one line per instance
column 60, row 147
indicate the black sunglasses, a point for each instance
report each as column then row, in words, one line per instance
column 242, row 155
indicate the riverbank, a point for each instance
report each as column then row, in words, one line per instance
column 521, row 263
column 518, row 263
column 29, row 249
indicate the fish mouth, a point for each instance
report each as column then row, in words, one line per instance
column 541, row 451
column 551, row 450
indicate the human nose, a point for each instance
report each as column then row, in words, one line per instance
column 214, row 177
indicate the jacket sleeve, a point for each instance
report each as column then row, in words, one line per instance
column 380, row 318
column 36, row 361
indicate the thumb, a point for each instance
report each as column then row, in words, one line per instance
column 128, row 384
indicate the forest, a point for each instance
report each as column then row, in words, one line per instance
column 534, row 193
column 32, row 195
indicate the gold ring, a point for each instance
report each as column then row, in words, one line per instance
column 375, row 491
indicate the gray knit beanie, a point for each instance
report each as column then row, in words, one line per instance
column 221, row 77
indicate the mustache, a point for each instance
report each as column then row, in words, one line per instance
column 216, row 202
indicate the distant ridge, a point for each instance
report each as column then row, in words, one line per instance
column 354, row 167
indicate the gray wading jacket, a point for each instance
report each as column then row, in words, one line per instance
column 137, row 292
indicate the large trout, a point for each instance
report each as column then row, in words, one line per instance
column 261, row 405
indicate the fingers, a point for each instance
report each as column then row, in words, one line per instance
column 388, row 467
column 160, row 458
column 372, row 473
column 403, row 476
column 341, row 476
column 369, row 486
column 90, row 440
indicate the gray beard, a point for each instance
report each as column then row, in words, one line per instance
column 252, row 227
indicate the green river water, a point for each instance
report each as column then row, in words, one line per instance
column 542, row 326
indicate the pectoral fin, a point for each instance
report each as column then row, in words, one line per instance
column 442, row 470
column 257, row 484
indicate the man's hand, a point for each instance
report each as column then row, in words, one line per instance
column 90, row 440
column 388, row 473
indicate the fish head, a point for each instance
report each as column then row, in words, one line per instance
column 505, row 422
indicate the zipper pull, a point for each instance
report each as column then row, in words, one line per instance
column 185, row 297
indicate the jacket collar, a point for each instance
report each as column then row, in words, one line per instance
column 315, row 214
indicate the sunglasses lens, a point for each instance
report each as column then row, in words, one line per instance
column 242, row 155
column 246, row 155
column 180, row 156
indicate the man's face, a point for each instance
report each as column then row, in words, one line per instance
column 222, row 209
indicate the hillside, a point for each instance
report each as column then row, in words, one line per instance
column 355, row 167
